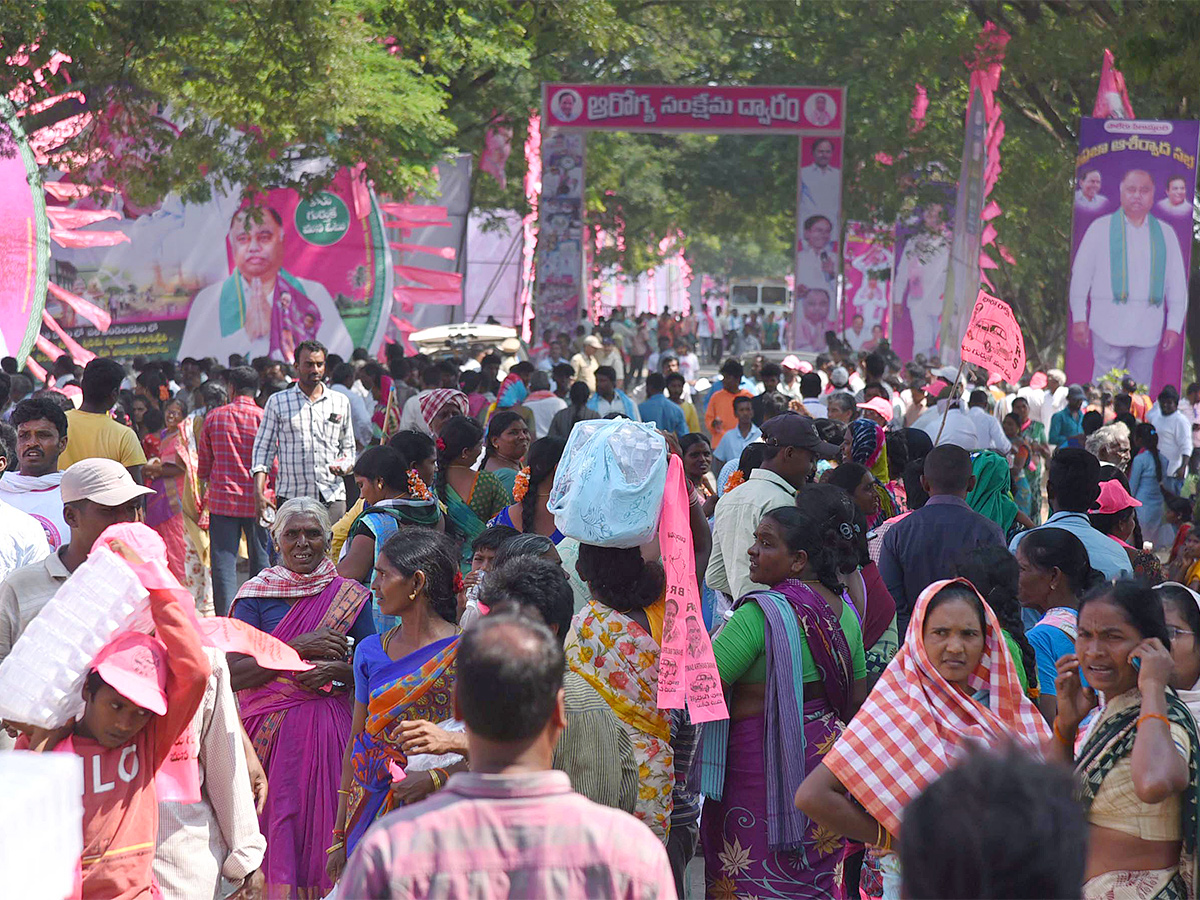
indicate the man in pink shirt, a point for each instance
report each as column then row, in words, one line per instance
column 511, row 826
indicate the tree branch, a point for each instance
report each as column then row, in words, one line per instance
column 1058, row 127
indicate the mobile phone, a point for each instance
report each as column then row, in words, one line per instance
column 1137, row 663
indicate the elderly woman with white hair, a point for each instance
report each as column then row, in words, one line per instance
column 300, row 722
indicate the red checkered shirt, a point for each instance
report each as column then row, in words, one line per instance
column 226, row 449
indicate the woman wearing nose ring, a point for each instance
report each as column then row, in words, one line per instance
column 953, row 681
column 1140, row 759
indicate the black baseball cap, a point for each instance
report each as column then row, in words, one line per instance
column 794, row 430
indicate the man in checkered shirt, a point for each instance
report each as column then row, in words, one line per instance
column 308, row 428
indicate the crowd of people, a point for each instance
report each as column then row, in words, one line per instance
column 931, row 597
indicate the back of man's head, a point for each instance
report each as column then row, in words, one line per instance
column 655, row 384
column 343, row 374
column 810, row 385
column 533, row 582
column 244, row 380
column 875, row 366
column 981, row 829
column 1073, row 483
column 948, row 470
column 101, row 380
column 510, row 670
column 979, row 398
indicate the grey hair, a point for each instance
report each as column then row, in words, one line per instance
column 843, row 400
column 1111, row 440
column 301, row 506
column 527, row 544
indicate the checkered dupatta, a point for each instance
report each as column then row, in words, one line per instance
column 915, row 724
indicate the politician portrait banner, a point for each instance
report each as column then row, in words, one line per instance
column 924, row 235
column 819, row 207
column 214, row 279
column 1130, row 249
column 560, row 252
column 866, row 286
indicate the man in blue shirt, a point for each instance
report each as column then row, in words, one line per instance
column 1068, row 423
column 657, row 408
column 923, row 546
column 1072, row 486
column 734, row 441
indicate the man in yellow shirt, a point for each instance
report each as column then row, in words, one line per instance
column 92, row 432
column 675, row 383
column 719, row 417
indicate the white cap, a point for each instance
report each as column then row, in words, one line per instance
column 103, row 481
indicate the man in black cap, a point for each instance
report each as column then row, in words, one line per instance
column 791, row 449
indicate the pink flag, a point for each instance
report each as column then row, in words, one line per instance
column 916, row 117
column 438, row 296
column 434, row 278
column 443, row 252
column 1112, row 100
column 85, row 308
column 76, row 239
column 687, row 670
column 414, row 211
column 405, row 328
column 63, row 190
column 993, row 339
column 48, row 349
column 62, row 217
column 78, row 353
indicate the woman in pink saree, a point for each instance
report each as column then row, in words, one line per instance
column 300, row 723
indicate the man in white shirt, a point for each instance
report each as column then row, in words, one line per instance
column 689, row 364
column 791, row 450
column 1130, row 266
column 989, row 430
column 1174, row 436
column 921, row 279
column 1177, row 202
column 733, row 330
column 33, row 485
column 857, row 334
column 789, row 384
column 959, row 429
column 1193, row 409
column 810, row 391
column 261, row 309
column 543, row 403
column 816, row 264
column 1087, row 195
column 821, row 183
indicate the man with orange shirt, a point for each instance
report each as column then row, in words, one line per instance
column 719, row 416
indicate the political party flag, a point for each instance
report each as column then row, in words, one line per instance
column 993, row 338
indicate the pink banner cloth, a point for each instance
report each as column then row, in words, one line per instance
column 687, row 670
column 439, row 296
column 48, row 349
column 63, row 217
column 1112, row 100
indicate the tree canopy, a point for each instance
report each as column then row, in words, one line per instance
column 256, row 87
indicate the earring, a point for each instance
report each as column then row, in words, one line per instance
column 412, row 598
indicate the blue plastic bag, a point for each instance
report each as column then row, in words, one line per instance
column 608, row 490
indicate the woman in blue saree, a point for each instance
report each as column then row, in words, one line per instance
column 404, row 675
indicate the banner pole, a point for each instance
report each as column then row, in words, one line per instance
column 946, row 411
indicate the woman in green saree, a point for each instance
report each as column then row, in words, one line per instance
column 471, row 497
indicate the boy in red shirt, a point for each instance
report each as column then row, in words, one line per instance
column 139, row 697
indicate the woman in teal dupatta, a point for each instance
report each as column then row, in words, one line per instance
column 471, row 497
column 403, row 680
column 992, row 495
column 1141, row 803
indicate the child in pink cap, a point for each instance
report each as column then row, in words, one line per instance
column 139, row 697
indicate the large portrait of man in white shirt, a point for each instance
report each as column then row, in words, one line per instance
column 821, row 180
column 261, row 309
column 1128, row 292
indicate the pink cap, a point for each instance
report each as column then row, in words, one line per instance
column 135, row 666
column 935, row 387
column 805, row 367
column 1038, row 381
column 791, row 362
column 1113, row 498
column 879, row 405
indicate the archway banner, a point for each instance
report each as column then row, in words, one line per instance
column 751, row 109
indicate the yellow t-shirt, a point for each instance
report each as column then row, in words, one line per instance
column 98, row 435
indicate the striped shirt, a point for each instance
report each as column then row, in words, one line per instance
column 225, row 451
column 594, row 750
column 307, row 436
column 526, row 835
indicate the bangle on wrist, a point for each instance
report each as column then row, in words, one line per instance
column 1062, row 738
column 1144, row 716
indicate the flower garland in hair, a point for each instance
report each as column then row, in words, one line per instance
column 441, row 444
column 459, row 585
column 521, row 485
column 416, row 487
column 735, row 478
